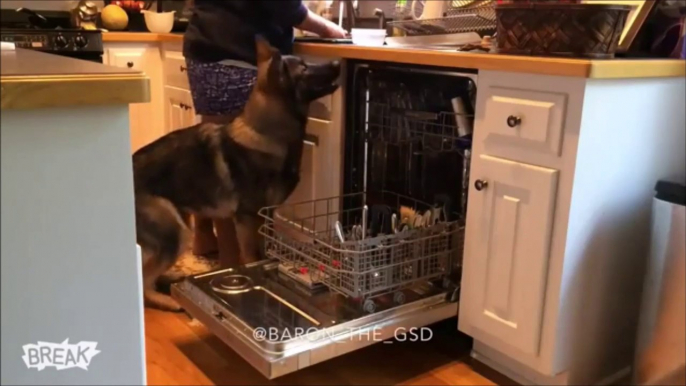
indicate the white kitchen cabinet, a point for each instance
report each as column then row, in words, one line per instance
column 175, row 71
column 178, row 109
column 315, row 167
column 127, row 57
column 554, row 241
column 508, row 233
column 145, row 119
column 529, row 120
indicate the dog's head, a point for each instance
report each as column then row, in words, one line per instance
column 291, row 77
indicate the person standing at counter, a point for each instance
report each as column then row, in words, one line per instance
column 219, row 46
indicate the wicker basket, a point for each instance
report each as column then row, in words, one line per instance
column 570, row 30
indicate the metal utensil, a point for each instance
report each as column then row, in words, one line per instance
column 394, row 223
column 436, row 215
column 365, row 211
column 356, row 232
column 339, row 232
column 418, row 221
column 426, row 220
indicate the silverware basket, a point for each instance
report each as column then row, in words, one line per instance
column 306, row 239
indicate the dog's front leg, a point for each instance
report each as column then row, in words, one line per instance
column 249, row 239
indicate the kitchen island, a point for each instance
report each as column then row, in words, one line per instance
column 70, row 269
column 565, row 155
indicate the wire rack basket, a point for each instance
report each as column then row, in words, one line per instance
column 436, row 131
column 479, row 17
column 305, row 238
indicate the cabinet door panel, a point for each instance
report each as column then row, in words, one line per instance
column 509, row 227
column 179, row 109
column 176, row 74
column 315, row 177
column 133, row 58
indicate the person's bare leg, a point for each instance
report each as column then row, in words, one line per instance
column 225, row 241
column 229, row 251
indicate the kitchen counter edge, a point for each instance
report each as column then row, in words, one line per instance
column 592, row 69
column 36, row 80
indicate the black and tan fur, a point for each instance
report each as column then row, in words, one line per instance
column 226, row 171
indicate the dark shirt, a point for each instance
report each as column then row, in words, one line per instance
column 226, row 29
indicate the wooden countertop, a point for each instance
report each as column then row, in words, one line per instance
column 595, row 69
column 31, row 79
column 141, row 37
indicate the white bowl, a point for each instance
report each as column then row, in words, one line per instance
column 368, row 37
column 160, row 23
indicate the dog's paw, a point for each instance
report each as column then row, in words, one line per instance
column 161, row 301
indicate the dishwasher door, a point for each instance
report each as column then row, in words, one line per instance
column 279, row 328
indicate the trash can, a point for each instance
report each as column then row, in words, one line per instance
column 661, row 345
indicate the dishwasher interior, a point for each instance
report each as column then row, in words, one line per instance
column 348, row 271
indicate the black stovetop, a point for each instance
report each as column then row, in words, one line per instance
column 56, row 20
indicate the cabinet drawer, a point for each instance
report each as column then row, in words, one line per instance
column 175, row 73
column 133, row 58
column 528, row 120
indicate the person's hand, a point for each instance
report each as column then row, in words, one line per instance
column 334, row 31
column 322, row 27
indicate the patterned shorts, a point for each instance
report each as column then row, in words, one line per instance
column 219, row 89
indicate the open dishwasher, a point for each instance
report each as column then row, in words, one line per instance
column 384, row 257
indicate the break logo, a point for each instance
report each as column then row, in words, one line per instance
column 61, row 356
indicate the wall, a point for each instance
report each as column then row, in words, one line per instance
column 366, row 6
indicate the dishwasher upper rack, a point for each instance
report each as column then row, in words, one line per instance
column 302, row 236
column 437, row 132
column 480, row 18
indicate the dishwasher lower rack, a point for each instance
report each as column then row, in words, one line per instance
column 305, row 239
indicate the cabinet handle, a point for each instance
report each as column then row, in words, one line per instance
column 129, row 64
column 311, row 140
column 182, row 68
column 480, row 185
column 513, row 121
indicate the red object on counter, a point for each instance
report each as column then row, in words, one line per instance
column 130, row 5
column 539, row 1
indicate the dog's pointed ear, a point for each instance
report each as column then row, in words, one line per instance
column 264, row 50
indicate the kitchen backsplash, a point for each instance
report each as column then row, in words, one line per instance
column 366, row 6
column 45, row 5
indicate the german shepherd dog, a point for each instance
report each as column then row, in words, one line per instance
column 226, row 171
